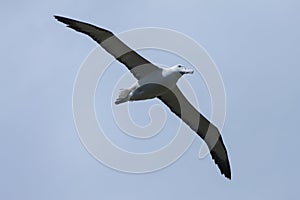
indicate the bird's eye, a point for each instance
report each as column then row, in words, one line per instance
column 179, row 66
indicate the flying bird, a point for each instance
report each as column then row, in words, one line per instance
column 157, row 82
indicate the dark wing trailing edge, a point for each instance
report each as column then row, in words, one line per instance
column 175, row 100
column 138, row 65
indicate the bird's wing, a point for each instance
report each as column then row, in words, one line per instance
column 139, row 66
column 179, row 105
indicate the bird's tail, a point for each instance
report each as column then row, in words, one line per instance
column 123, row 96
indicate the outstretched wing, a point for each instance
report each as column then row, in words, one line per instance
column 179, row 105
column 138, row 65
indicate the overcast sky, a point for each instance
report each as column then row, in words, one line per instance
column 256, row 46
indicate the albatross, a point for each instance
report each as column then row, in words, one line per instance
column 156, row 82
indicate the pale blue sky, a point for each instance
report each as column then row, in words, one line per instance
column 256, row 46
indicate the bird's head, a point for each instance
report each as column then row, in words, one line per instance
column 182, row 70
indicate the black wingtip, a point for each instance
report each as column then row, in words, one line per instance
column 222, row 161
column 58, row 18
column 224, row 167
column 227, row 174
column 64, row 20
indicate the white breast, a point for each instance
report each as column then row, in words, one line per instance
column 165, row 77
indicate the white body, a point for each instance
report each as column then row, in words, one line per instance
column 153, row 84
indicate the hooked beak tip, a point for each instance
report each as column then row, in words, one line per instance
column 190, row 71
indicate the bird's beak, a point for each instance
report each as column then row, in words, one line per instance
column 186, row 71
